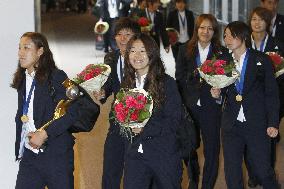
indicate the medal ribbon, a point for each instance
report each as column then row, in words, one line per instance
column 27, row 100
column 197, row 58
column 240, row 83
column 262, row 44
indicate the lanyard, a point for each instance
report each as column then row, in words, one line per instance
column 240, row 83
column 27, row 100
column 182, row 20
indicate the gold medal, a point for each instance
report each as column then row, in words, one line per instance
column 239, row 98
column 24, row 118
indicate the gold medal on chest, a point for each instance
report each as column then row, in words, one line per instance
column 24, row 118
column 239, row 98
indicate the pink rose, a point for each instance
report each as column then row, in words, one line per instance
column 219, row 63
column 134, row 116
column 220, row 71
column 130, row 102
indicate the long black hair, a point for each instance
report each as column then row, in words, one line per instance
column 45, row 63
column 155, row 78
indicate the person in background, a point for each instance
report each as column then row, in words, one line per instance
column 114, row 148
column 182, row 20
column 153, row 155
column 277, row 22
column 156, row 18
column 110, row 11
column 261, row 40
column 200, row 98
column 46, row 157
column 138, row 10
column 250, row 111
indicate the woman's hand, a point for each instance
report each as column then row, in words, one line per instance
column 215, row 92
column 99, row 94
column 137, row 130
column 272, row 132
column 37, row 138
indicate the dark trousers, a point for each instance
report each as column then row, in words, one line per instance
column 113, row 160
column 149, row 174
column 257, row 146
column 210, row 132
column 208, row 120
column 109, row 40
column 45, row 169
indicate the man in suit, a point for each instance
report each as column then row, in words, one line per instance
column 156, row 18
column 114, row 146
column 110, row 11
column 277, row 23
column 250, row 112
column 182, row 20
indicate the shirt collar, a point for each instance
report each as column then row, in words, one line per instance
column 32, row 75
column 201, row 48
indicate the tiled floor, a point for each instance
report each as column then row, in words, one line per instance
column 71, row 39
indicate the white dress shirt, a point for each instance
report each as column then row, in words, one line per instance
column 183, row 34
column 118, row 67
column 112, row 9
column 203, row 54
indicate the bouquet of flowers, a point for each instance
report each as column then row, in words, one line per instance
column 218, row 73
column 278, row 63
column 93, row 77
column 144, row 23
column 132, row 108
column 173, row 35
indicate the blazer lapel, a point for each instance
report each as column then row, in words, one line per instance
column 250, row 72
column 39, row 102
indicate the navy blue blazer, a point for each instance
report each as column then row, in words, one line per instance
column 59, row 138
column 173, row 21
column 260, row 96
column 188, row 79
column 279, row 22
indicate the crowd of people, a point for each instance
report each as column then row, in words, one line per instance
column 244, row 117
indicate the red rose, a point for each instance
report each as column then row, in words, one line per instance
column 88, row 76
column 141, row 102
column 276, row 59
column 130, row 102
column 219, row 71
column 97, row 71
column 142, row 21
column 206, row 62
column 119, row 107
column 134, row 116
column 219, row 63
column 121, row 117
column 206, row 69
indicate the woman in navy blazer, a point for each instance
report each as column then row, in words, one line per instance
column 38, row 79
column 153, row 156
column 198, row 96
column 261, row 40
column 250, row 112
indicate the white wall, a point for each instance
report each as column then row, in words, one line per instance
column 16, row 17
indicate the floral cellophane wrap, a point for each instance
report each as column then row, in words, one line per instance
column 96, row 83
column 132, row 124
column 219, row 81
column 278, row 63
